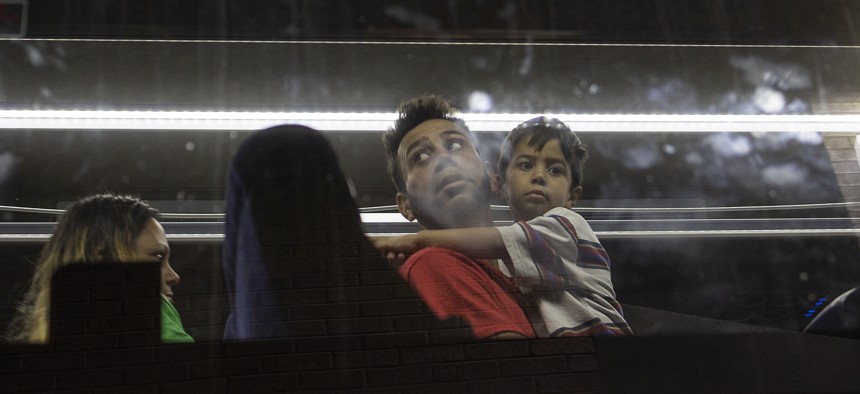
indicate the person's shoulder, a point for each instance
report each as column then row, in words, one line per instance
column 432, row 262
column 564, row 212
column 432, row 252
column 568, row 218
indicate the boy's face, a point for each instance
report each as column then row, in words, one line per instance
column 537, row 180
column 447, row 185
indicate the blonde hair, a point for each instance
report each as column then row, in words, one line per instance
column 96, row 228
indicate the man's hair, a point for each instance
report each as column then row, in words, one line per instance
column 541, row 130
column 412, row 113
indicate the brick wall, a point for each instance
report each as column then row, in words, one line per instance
column 106, row 343
column 395, row 363
column 563, row 365
column 367, row 331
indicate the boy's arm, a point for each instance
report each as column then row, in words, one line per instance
column 558, row 250
column 475, row 242
column 544, row 251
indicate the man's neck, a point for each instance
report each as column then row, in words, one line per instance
column 483, row 218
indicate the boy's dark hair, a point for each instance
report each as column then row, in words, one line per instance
column 541, row 130
column 412, row 113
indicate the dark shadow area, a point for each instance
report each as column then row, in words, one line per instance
column 731, row 357
column 672, row 21
column 758, row 363
column 105, row 305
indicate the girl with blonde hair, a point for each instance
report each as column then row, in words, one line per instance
column 99, row 228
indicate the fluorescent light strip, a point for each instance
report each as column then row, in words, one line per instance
column 378, row 121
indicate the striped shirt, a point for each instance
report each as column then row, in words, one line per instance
column 557, row 259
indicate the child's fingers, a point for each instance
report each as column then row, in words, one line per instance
column 395, row 260
column 391, row 258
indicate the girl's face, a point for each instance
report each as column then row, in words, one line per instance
column 151, row 245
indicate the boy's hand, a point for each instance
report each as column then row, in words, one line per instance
column 396, row 249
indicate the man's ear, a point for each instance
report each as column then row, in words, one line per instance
column 496, row 181
column 499, row 187
column 575, row 194
column 403, row 206
column 494, row 184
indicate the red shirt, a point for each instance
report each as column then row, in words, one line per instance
column 453, row 284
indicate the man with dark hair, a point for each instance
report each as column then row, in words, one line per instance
column 411, row 114
column 442, row 182
column 550, row 253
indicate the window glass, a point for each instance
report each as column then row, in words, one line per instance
column 722, row 170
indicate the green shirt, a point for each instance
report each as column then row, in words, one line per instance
column 171, row 325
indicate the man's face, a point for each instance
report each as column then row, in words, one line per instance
column 446, row 183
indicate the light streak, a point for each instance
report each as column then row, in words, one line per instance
column 157, row 120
